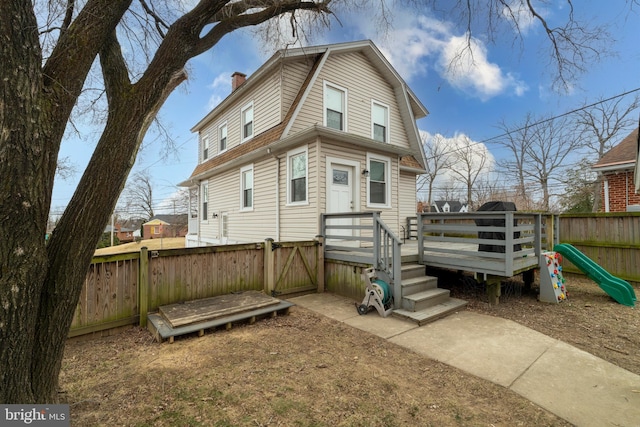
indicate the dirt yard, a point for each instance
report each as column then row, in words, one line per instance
column 308, row 370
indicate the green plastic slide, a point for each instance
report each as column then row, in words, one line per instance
column 618, row 289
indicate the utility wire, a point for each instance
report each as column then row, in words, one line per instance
column 584, row 107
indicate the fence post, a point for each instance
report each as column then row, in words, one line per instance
column 269, row 266
column 320, row 263
column 143, row 285
column 551, row 233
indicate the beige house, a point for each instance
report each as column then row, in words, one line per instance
column 314, row 130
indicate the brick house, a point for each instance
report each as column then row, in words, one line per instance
column 165, row 226
column 616, row 168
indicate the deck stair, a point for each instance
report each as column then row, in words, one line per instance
column 422, row 300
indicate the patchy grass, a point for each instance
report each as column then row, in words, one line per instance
column 297, row 370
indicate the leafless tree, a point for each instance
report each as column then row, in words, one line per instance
column 550, row 143
column 602, row 124
column 438, row 160
column 122, row 59
column 138, row 194
column 468, row 161
column 517, row 144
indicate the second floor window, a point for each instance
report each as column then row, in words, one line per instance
column 246, row 183
column 222, row 138
column 335, row 107
column 379, row 122
column 205, row 148
column 247, row 122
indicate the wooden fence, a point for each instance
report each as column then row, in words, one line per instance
column 610, row 239
column 121, row 289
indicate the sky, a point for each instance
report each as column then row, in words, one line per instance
column 506, row 81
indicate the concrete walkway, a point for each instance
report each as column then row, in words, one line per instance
column 574, row 385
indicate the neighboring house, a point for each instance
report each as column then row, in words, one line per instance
column 165, row 226
column 616, row 168
column 318, row 129
column 446, row 206
column 124, row 234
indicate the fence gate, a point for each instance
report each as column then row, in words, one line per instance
column 292, row 267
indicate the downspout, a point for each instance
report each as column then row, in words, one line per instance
column 277, row 237
column 606, row 194
column 626, row 190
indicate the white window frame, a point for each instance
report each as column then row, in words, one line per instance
column 375, row 103
column 290, row 155
column 344, row 91
column 226, row 137
column 242, row 187
column 387, row 171
column 244, row 109
column 205, row 148
column 204, row 201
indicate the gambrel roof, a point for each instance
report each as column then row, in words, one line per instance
column 279, row 138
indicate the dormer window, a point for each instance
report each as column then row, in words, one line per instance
column 335, row 102
column 379, row 122
column 247, row 122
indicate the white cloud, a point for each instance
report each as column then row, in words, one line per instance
column 518, row 14
column 464, row 64
column 417, row 44
column 221, row 87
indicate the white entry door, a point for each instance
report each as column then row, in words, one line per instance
column 340, row 196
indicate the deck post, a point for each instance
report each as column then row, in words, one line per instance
column 320, row 263
column 376, row 240
column 493, row 288
column 537, row 238
column 551, row 234
column 269, row 266
column 143, row 285
column 420, row 239
column 509, row 238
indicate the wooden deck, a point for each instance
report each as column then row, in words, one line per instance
column 225, row 310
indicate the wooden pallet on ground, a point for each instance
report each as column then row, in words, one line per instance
column 224, row 310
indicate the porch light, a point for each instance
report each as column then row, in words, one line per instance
column 365, row 173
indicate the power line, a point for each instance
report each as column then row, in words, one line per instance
column 584, row 107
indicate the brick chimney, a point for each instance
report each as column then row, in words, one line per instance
column 237, row 79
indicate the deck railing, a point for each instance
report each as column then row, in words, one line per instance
column 494, row 243
column 364, row 237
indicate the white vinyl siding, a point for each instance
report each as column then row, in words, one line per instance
column 293, row 76
column 407, row 204
column 361, row 86
column 299, row 221
column 266, row 102
column 226, row 198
